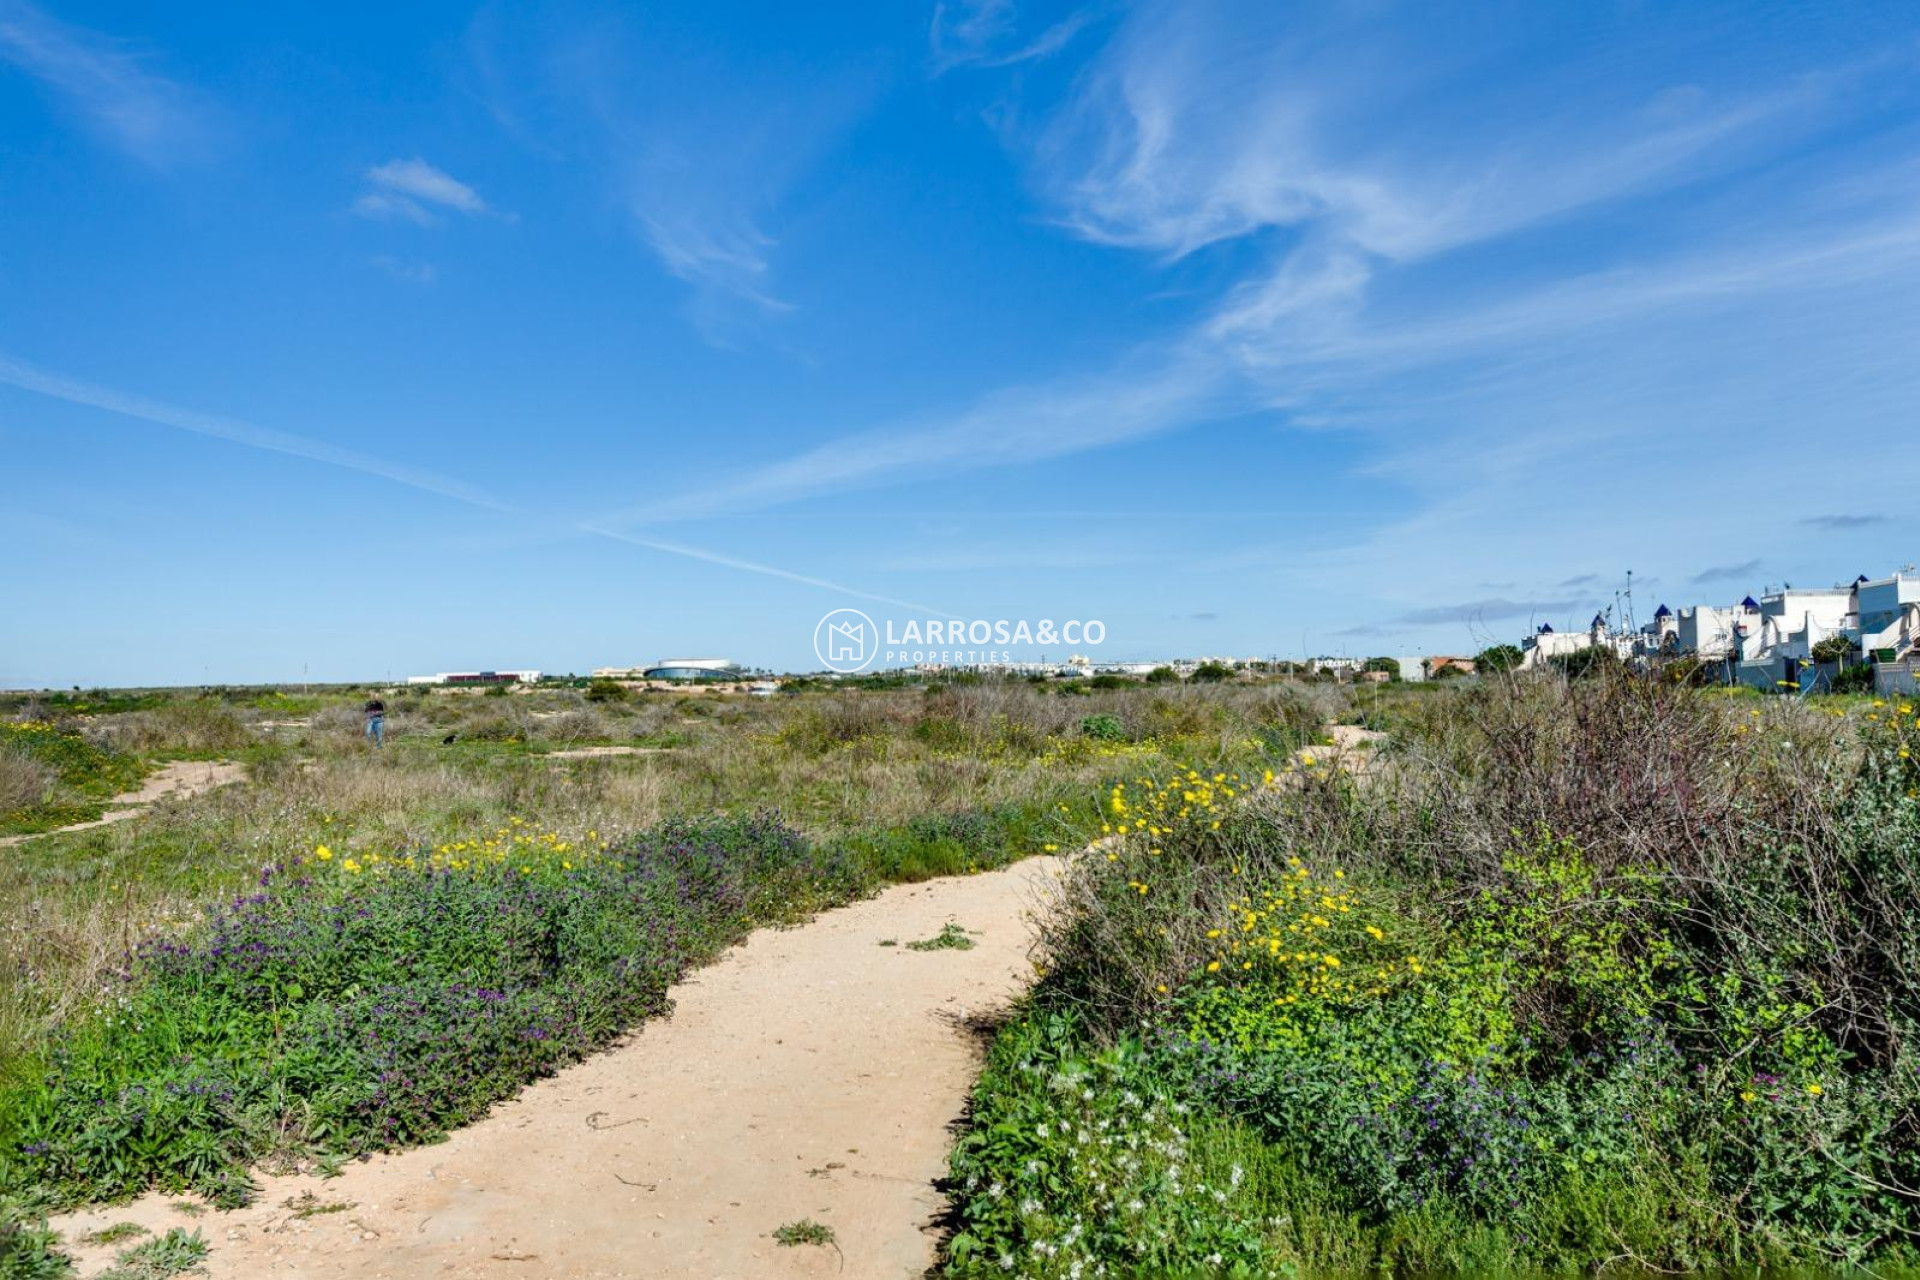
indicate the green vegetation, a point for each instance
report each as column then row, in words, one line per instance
column 950, row 938
column 116, row 1233
column 603, row 690
column 358, row 949
column 1496, row 659
column 28, row 1249
column 175, row 1253
column 51, row 778
column 1508, row 1006
column 805, row 1231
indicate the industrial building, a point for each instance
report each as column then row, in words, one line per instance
column 695, row 669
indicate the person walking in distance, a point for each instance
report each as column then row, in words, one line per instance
column 376, row 721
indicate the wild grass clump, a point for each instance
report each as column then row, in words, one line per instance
column 1597, row 973
column 175, row 1253
column 24, row 780
column 185, row 726
column 951, row 937
column 29, row 1249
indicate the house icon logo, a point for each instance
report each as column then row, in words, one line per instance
column 846, row 640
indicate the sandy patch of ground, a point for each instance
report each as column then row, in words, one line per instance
column 1353, row 746
column 584, row 753
column 176, row 781
column 809, row 1073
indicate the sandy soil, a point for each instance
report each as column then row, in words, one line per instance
column 1353, row 747
column 585, row 753
column 174, row 781
column 809, row 1073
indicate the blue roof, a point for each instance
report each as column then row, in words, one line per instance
column 1750, row 603
column 1546, row 629
column 1663, row 612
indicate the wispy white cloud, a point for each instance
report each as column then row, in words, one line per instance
column 1017, row 426
column 1830, row 523
column 18, row 373
column 415, row 191
column 1720, row 573
column 700, row 152
column 1702, row 343
column 158, row 121
column 987, row 33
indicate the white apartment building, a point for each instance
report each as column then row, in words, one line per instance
column 1774, row 647
column 1887, row 613
column 1711, row 633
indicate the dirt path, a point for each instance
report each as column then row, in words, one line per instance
column 809, row 1073
column 178, row 780
column 589, row 753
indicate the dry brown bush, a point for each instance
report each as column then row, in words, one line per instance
column 24, row 781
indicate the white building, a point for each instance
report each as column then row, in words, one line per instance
column 1887, row 613
column 1777, row 646
column 1710, row 633
column 1546, row 644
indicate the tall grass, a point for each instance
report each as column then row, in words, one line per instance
column 24, row 781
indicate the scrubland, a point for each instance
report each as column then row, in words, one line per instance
column 1553, row 976
column 1582, row 976
column 358, row 949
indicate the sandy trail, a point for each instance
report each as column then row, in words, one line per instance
column 174, row 781
column 809, row 1073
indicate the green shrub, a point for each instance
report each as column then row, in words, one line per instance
column 604, row 690
column 1857, row 678
column 1103, row 728
column 1833, row 649
column 1498, row 658
column 29, row 1250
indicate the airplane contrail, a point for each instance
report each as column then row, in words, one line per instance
column 18, row 373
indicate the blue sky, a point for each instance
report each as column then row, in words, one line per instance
column 366, row 341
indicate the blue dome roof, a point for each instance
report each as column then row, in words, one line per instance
column 1546, row 629
column 1663, row 612
column 1750, row 603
